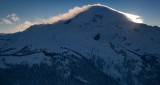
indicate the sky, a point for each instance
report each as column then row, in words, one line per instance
column 16, row 14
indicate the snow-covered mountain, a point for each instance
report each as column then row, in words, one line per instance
column 98, row 46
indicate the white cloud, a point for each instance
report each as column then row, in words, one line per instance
column 14, row 17
column 6, row 21
column 10, row 19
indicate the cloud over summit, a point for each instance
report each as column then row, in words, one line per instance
column 71, row 13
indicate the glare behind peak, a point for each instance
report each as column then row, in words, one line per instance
column 134, row 18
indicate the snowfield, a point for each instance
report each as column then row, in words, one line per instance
column 98, row 46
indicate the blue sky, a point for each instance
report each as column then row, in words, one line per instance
column 19, row 11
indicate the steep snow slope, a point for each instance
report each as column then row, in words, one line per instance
column 98, row 40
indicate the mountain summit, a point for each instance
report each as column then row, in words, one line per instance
column 95, row 46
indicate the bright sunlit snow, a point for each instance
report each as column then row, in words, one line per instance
column 134, row 18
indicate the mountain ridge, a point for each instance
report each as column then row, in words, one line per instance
column 96, row 41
